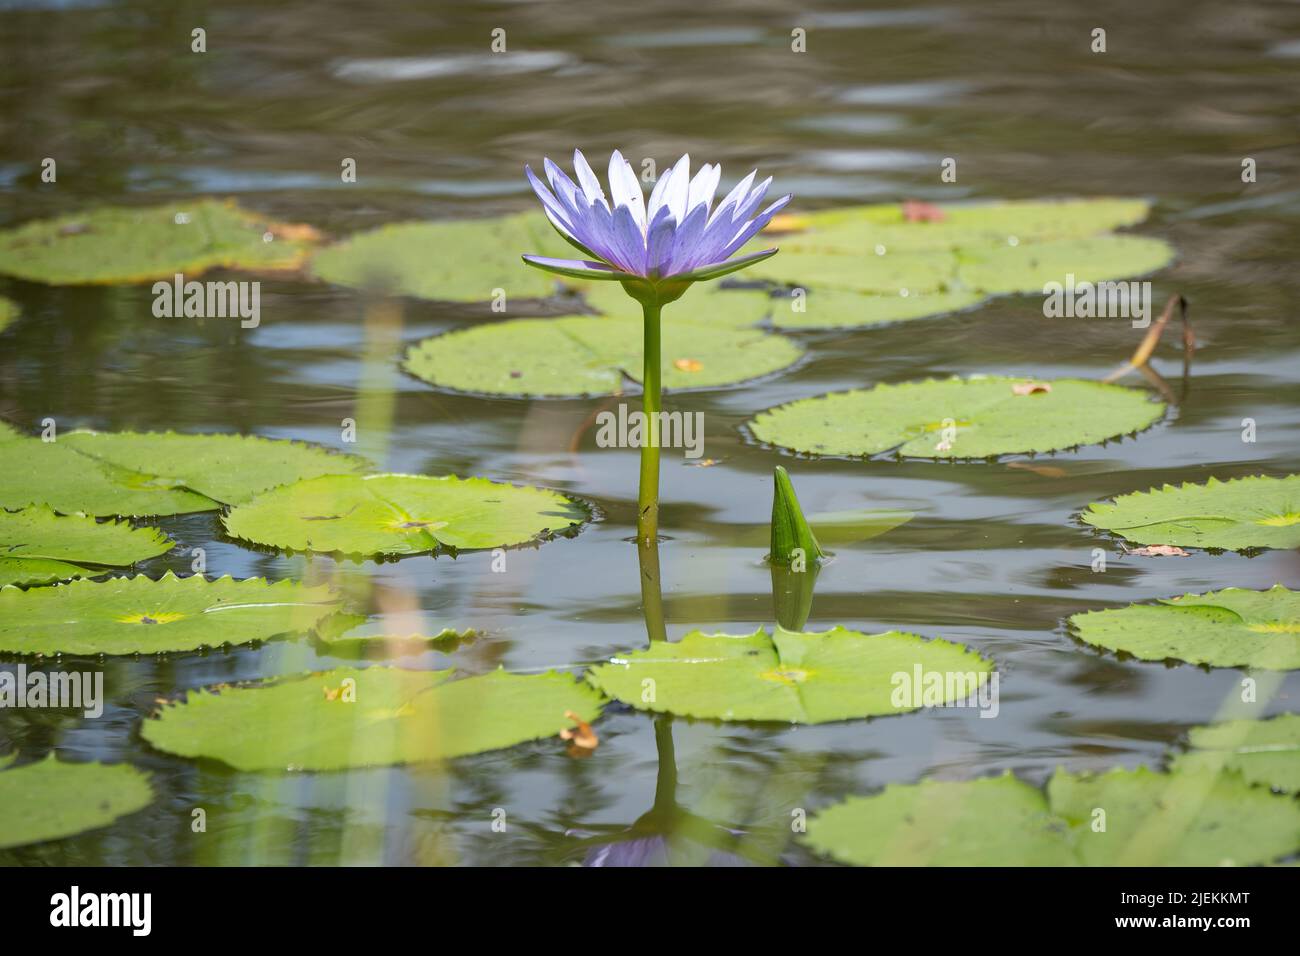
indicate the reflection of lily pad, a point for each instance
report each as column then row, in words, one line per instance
column 37, row 546
column 807, row 678
column 995, row 821
column 401, row 514
column 1265, row 752
column 586, row 355
column 1176, row 819
column 50, row 800
column 136, row 244
column 449, row 261
column 837, row 309
column 1255, row 512
column 1229, row 628
column 370, row 717
column 348, row 632
column 8, row 312
column 139, row 615
column 957, row 418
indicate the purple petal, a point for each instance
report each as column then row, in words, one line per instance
column 605, row 240
column 577, row 268
column 718, row 269
column 733, row 198
column 686, row 240
column 630, row 241
column 752, row 228
column 553, row 207
column 750, row 203
column 659, row 240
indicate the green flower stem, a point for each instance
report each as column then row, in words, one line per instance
column 647, row 503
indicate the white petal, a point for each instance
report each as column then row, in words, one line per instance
column 679, row 188
column 703, row 186
column 587, row 179
column 738, row 193
column 625, row 189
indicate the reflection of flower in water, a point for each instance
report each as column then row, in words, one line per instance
column 661, row 850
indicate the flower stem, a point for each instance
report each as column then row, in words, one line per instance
column 647, row 504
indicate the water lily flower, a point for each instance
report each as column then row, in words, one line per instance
column 656, row 248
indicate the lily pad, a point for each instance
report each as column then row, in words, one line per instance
column 37, row 546
column 704, row 304
column 8, row 312
column 585, row 355
column 448, row 261
column 1229, row 628
column 136, row 244
column 1254, row 512
column 1265, row 752
column 1030, row 266
column 836, row 309
column 964, row 225
column 50, row 800
column 34, row 472
column 1177, row 819
column 807, row 678
column 139, row 615
column 859, row 270
column 957, row 418
column 401, row 514
column 995, row 821
column 370, row 717
column 226, row 468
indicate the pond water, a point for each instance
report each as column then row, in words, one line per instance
column 441, row 128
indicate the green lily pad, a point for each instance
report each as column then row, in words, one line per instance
column 37, row 546
column 894, row 274
column 136, row 244
column 448, row 261
column 50, row 800
column 704, row 304
column 986, row 415
column 862, row 228
column 7, row 759
column 1265, row 752
column 384, row 716
column 995, row 821
column 807, row 678
column 8, row 312
column 1177, row 819
column 585, row 355
column 837, row 309
column 139, row 615
column 401, row 514
column 226, row 468
column 1254, row 512
column 34, row 472
column 1028, row 267
column 1229, row 628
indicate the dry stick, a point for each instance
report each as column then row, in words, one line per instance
column 1148, row 345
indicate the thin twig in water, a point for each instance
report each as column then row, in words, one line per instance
column 1142, row 356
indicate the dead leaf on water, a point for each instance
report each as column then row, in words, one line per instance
column 1160, row 551
column 582, row 739
column 1030, row 388
column 688, row 365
